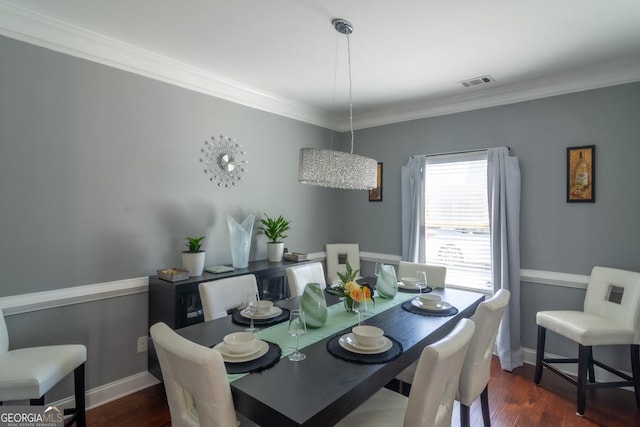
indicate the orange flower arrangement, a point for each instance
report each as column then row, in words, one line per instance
column 361, row 294
column 351, row 290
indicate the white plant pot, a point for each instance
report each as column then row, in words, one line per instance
column 194, row 262
column 275, row 251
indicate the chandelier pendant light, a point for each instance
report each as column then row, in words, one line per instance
column 338, row 169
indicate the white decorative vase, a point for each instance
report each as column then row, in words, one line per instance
column 194, row 262
column 240, row 240
column 275, row 251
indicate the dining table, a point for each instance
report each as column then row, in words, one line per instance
column 323, row 388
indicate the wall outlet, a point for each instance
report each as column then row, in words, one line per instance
column 142, row 344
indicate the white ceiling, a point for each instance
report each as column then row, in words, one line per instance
column 407, row 56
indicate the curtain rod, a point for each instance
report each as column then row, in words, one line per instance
column 455, row 152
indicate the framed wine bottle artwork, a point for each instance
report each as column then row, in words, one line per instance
column 375, row 195
column 581, row 174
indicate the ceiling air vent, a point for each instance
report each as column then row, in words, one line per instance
column 477, row 81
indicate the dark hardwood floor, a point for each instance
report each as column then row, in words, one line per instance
column 513, row 398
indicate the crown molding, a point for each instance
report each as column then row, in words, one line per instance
column 595, row 77
column 24, row 25
column 37, row 29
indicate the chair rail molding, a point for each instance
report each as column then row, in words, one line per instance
column 16, row 304
column 542, row 277
column 35, row 301
column 554, row 278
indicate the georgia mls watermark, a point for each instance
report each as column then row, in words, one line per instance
column 31, row 416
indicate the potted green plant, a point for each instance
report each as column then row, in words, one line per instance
column 274, row 229
column 193, row 258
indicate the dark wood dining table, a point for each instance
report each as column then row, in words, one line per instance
column 322, row 389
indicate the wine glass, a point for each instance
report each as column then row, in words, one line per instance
column 361, row 307
column 297, row 327
column 421, row 280
column 378, row 268
column 251, row 308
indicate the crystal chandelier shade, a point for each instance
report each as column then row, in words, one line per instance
column 338, row 169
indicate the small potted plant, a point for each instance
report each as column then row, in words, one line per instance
column 193, row 258
column 274, row 229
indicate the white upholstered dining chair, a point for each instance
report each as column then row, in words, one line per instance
column 195, row 381
column 336, row 256
column 29, row 373
column 476, row 370
column 436, row 274
column 611, row 316
column 430, row 402
column 220, row 296
column 299, row 275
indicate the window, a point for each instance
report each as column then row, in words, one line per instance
column 456, row 218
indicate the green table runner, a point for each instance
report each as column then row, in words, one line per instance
column 337, row 319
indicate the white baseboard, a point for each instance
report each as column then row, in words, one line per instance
column 115, row 390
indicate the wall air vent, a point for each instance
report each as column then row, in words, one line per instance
column 477, row 81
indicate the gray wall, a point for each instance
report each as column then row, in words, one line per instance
column 100, row 181
column 101, row 178
column 555, row 235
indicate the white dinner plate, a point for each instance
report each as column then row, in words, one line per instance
column 274, row 312
column 441, row 306
column 403, row 286
column 224, row 350
column 346, row 341
column 261, row 349
column 351, row 340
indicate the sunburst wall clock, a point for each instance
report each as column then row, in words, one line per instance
column 224, row 161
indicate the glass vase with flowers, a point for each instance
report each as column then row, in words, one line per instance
column 351, row 290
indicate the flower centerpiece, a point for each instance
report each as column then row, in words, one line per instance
column 351, row 290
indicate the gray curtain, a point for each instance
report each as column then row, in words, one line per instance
column 412, row 189
column 503, row 175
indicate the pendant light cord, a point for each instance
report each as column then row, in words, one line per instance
column 350, row 85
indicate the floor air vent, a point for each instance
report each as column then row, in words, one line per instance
column 477, row 81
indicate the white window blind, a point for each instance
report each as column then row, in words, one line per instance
column 456, row 218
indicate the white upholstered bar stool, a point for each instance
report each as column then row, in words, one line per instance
column 220, row 296
column 476, row 369
column 430, row 402
column 299, row 275
column 436, row 274
column 611, row 316
column 195, row 381
column 337, row 255
column 29, row 373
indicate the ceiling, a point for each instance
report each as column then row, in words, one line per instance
column 407, row 57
